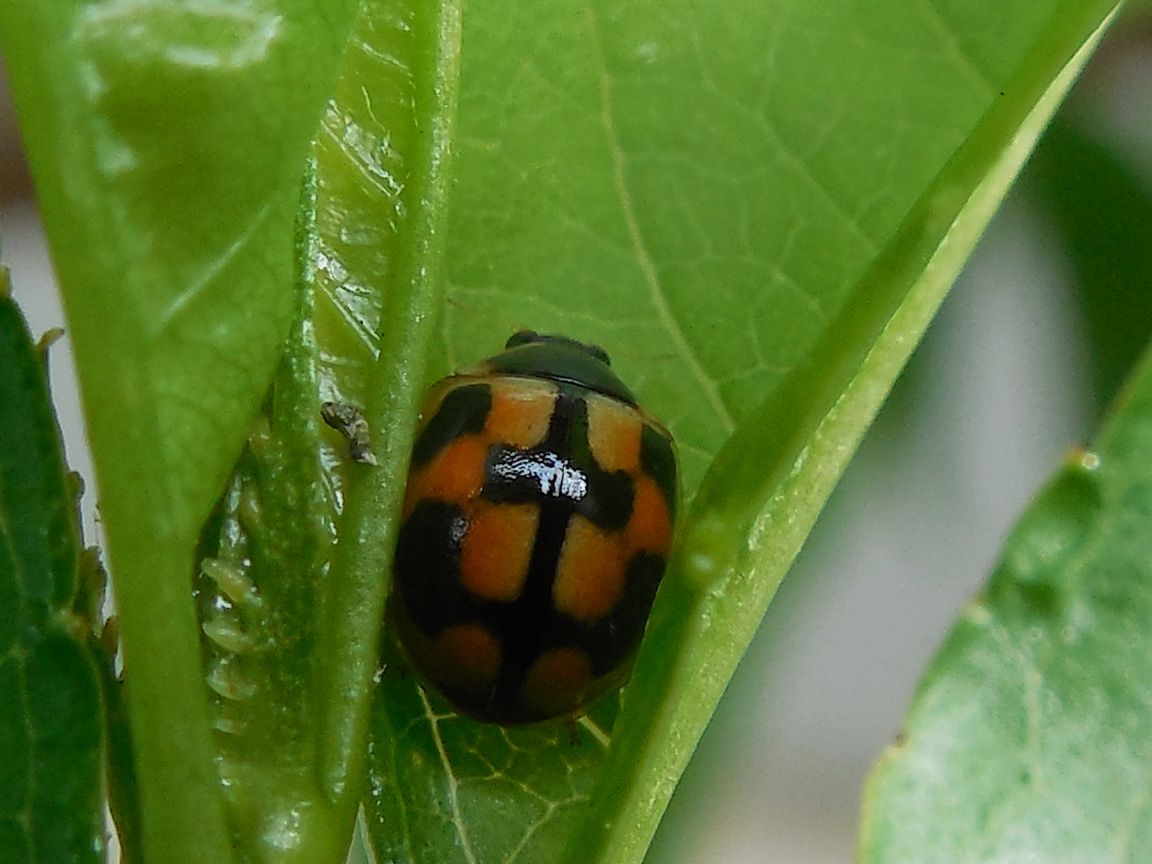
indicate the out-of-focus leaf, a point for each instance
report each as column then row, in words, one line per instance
column 1101, row 209
column 50, row 727
column 1028, row 739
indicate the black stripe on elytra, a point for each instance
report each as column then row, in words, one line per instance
column 561, row 467
column 463, row 411
column 549, row 474
column 526, row 615
column 658, row 460
column 608, row 503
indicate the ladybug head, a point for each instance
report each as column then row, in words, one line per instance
column 560, row 359
column 531, row 337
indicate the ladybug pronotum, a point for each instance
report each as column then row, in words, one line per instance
column 536, row 525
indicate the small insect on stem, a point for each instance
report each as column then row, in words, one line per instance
column 349, row 421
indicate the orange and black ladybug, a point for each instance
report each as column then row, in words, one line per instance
column 536, row 525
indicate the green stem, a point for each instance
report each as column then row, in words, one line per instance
column 368, row 528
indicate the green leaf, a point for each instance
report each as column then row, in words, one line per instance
column 446, row 789
column 167, row 143
column 50, row 727
column 756, row 211
column 1028, row 736
column 262, row 562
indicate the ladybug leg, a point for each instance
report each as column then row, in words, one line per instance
column 393, row 663
column 572, row 725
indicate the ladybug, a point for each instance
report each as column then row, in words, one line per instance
column 536, row 525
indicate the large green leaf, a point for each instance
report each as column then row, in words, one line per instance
column 1028, row 739
column 756, row 209
column 167, row 142
column 50, row 727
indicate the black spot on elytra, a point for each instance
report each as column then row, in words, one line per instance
column 658, row 460
column 427, row 565
column 464, row 411
column 610, row 507
column 617, row 637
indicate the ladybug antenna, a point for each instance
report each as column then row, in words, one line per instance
column 531, row 337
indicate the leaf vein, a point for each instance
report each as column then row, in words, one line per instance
column 936, row 20
column 453, row 785
column 647, row 266
column 214, row 268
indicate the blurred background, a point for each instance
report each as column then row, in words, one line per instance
column 1037, row 335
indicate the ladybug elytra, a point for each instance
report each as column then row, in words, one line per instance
column 536, row 525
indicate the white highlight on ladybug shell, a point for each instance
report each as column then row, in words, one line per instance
column 555, row 476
